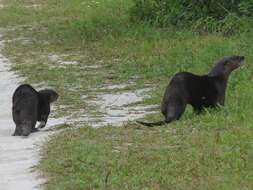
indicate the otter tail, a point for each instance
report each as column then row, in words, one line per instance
column 158, row 123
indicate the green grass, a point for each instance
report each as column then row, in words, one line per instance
column 208, row 151
column 177, row 157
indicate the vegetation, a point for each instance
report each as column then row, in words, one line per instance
column 208, row 151
column 204, row 16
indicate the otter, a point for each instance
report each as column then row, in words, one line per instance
column 30, row 106
column 200, row 91
column 24, row 110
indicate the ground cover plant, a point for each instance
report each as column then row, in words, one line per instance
column 225, row 17
column 79, row 46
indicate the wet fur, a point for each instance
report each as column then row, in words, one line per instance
column 198, row 91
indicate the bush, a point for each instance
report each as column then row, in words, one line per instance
column 181, row 13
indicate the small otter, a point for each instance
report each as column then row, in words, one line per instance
column 30, row 106
column 198, row 91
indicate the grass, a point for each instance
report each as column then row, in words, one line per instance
column 177, row 157
column 208, row 151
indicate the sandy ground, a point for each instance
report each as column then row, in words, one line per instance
column 17, row 154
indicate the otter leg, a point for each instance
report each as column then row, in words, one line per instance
column 33, row 127
column 42, row 124
column 43, row 121
column 220, row 100
column 198, row 109
column 34, row 130
column 15, row 132
column 175, row 110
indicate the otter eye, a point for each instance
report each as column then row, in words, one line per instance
column 226, row 63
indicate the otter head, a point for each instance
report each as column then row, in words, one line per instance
column 226, row 65
column 51, row 95
column 233, row 62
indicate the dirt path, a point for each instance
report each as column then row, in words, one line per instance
column 17, row 154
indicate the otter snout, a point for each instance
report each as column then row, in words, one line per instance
column 234, row 62
column 241, row 58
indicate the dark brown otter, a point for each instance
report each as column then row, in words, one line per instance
column 199, row 91
column 30, row 106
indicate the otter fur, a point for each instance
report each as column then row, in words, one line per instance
column 30, row 106
column 198, row 91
